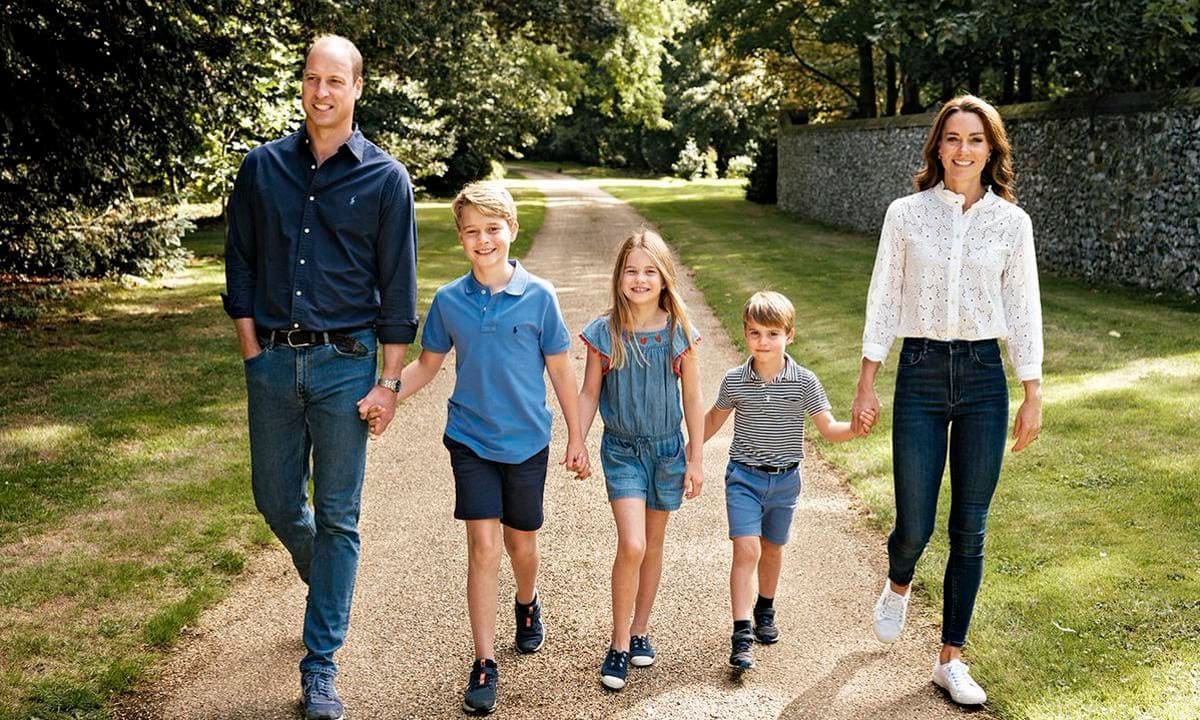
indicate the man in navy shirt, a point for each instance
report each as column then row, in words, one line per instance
column 320, row 272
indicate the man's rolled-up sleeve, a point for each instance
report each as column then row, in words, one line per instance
column 396, row 254
column 241, row 248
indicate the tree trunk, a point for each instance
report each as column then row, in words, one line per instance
column 973, row 76
column 866, row 80
column 947, row 89
column 889, row 107
column 912, row 96
column 1009, row 74
column 1025, row 76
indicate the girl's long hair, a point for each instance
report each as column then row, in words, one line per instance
column 999, row 170
column 620, row 315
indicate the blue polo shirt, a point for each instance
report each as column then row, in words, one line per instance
column 498, row 408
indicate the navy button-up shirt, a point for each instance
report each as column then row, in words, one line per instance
column 323, row 248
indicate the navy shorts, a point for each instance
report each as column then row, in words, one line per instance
column 486, row 489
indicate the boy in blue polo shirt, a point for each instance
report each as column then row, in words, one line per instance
column 507, row 330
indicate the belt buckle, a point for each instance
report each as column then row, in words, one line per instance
column 294, row 345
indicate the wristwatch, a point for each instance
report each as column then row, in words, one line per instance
column 392, row 384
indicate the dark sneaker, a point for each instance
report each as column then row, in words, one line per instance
column 641, row 652
column 741, row 657
column 764, row 626
column 531, row 633
column 480, row 697
column 321, row 701
column 615, row 669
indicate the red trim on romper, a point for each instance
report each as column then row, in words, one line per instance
column 605, row 360
column 677, row 365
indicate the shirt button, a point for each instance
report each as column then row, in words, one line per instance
column 298, row 292
column 311, row 198
column 301, row 261
column 307, row 231
column 312, row 167
column 295, row 325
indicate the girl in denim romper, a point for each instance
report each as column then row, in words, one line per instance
column 639, row 358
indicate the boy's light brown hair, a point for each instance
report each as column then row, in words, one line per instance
column 489, row 198
column 769, row 309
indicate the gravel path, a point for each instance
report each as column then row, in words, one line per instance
column 408, row 650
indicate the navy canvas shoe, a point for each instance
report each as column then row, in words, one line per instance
column 615, row 669
column 641, row 652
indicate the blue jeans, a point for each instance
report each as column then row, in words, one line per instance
column 960, row 386
column 302, row 405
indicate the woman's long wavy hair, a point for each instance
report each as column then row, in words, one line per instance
column 999, row 170
column 620, row 315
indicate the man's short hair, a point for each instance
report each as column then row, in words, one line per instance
column 489, row 198
column 356, row 63
column 769, row 309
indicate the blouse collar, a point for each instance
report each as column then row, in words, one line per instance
column 950, row 197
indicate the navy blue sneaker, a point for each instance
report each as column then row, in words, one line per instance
column 615, row 669
column 531, row 632
column 321, row 701
column 480, row 697
column 765, row 630
column 641, row 652
column 741, row 657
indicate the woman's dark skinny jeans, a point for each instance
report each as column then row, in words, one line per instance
column 957, row 386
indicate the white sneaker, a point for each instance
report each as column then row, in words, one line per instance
column 890, row 611
column 955, row 678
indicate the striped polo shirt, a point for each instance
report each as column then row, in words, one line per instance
column 768, row 420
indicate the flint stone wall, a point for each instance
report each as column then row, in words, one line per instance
column 1110, row 183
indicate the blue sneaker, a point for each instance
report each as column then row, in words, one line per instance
column 765, row 630
column 321, row 701
column 615, row 669
column 641, row 652
column 531, row 632
column 741, row 656
column 480, row 697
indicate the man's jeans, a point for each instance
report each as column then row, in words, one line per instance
column 960, row 385
column 302, row 400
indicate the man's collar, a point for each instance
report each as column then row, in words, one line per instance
column 356, row 143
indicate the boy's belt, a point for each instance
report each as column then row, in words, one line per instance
column 772, row 470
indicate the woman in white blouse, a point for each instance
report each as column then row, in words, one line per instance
column 955, row 272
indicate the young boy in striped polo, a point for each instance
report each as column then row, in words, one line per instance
column 770, row 395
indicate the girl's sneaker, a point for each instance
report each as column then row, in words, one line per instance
column 955, row 678
column 615, row 669
column 480, row 697
column 641, row 652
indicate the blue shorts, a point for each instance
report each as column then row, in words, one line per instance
column 486, row 489
column 649, row 468
column 759, row 503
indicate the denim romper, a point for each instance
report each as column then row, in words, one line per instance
column 642, row 450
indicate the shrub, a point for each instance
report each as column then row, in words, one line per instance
column 739, row 166
column 764, row 176
column 691, row 161
column 137, row 238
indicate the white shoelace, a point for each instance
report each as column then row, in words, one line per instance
column 893, row 606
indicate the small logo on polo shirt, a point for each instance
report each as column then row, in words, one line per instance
column 353, row 199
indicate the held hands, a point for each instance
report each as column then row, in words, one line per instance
column 576, row 460
column 377, row 409
column 864, row 412
column 693, row 480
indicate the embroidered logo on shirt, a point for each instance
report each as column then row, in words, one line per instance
column 353, row 199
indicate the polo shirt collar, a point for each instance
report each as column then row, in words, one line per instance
column 790, row 372
column 516, row 284
column 356, row 143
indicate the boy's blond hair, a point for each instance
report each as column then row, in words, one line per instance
column 489, row 198
column 769, row 309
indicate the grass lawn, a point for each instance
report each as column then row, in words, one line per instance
column 1090, row 605
column 125, row 504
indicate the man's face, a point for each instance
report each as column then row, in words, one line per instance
column 330, row 87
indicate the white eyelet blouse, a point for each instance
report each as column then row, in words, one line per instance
column 944, row 274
